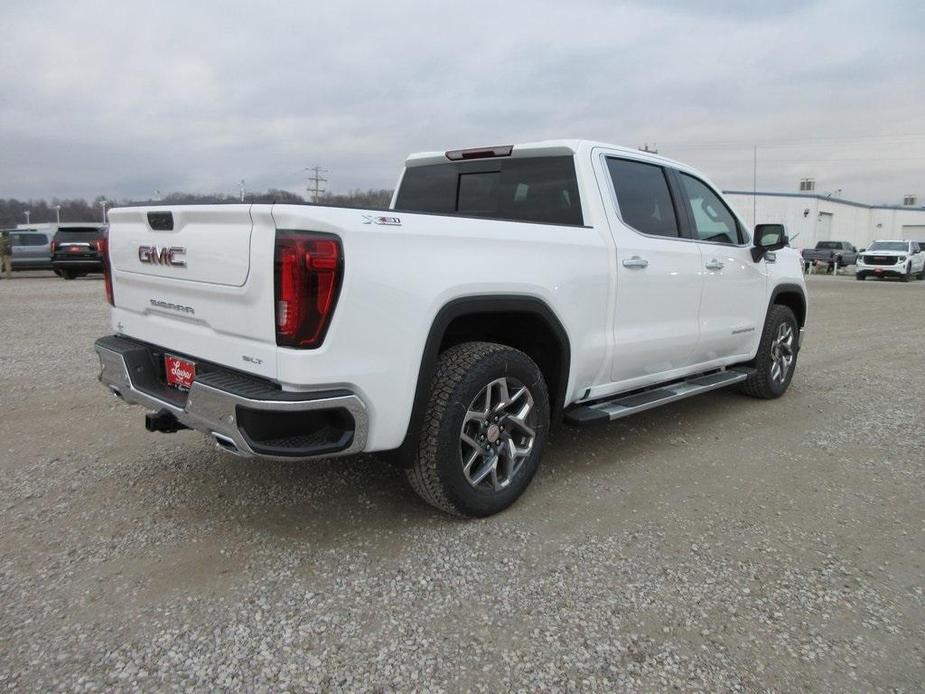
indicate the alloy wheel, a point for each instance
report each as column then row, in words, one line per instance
column 498, row 433
column 782, row 353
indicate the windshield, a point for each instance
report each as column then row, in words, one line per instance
column 829, row 245
column 888, row 246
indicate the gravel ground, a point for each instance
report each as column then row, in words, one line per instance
column 720, row 543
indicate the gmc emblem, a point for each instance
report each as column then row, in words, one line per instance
column 174, row 256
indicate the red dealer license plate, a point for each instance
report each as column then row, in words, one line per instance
column 180, row 372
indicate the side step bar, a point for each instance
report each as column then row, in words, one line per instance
column 625, row 405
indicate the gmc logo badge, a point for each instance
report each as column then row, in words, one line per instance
column 174, row 256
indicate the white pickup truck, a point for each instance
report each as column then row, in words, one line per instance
column 504, row 289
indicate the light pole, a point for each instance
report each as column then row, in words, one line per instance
column 242, row 190
column 58, row 213
column 103, row 204
column 27, row 213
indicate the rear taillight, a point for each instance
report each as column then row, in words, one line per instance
column 52, row 246
column 103, row 247
column 309, row 270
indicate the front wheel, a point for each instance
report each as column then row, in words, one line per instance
column 483, row 431
column 908, row 275
column 777, row 355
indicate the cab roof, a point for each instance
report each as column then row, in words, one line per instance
column 542, row 148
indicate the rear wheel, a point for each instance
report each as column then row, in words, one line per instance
column 860, row 276
column 483, row 431
column 921, row 274
column 777, row 355
column 67, row 274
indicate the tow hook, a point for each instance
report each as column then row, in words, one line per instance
column 163, row 421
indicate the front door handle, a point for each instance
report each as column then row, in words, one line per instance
column 636, row 262
column 714, row 265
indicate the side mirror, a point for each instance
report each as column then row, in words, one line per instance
column 768, row 237
column 862, row 250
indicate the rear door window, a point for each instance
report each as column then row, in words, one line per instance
column 643, row 195
column 528, row 189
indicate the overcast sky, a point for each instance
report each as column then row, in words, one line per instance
column 125, row 98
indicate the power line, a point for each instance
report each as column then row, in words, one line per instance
column 788, row 142
column 821, row 160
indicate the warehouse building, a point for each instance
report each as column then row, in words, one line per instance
column 810, row 217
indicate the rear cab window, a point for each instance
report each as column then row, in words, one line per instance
column 525, row 189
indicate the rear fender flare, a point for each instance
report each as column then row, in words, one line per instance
column 469, row 305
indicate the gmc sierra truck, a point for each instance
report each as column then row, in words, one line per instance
column 830, row 253
column 505, row 289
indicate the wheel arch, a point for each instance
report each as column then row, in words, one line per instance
column 793, row 297
column 523, row 322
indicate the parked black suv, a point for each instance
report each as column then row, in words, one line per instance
column 75, row 251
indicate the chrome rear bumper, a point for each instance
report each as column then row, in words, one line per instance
column 217, row 400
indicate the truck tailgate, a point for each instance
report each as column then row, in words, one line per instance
column 204, row 272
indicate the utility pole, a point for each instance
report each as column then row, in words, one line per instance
column 315, row 180
column 58, row 214
column 755, row 187
column 27, row 213
column 645, row 148
column 242, row 190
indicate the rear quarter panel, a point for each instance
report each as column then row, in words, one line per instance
column 397, row 278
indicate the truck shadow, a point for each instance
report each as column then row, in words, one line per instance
column 327, row 501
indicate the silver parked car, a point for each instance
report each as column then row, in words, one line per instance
column 31, row 249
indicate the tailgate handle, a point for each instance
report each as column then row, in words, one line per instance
column 160, row 221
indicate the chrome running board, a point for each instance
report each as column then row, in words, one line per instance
column 639, row 401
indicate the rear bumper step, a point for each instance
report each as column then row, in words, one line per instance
column 244, row 416
column 626, row 405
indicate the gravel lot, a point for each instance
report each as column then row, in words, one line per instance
column 720, row 543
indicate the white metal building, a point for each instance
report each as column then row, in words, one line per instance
column 810, row 218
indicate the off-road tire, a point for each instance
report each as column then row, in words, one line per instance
column 436, row 473
column 760, row 384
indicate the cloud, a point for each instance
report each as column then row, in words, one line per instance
column 125, row 98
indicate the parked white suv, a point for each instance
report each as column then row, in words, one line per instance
column 902, row 259
column 505, row 288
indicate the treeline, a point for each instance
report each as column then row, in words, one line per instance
column 13, row 211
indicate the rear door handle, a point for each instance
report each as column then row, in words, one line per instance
column 714, row 265
column 636, row 262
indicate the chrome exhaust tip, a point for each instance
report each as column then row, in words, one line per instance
column 225, row 443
